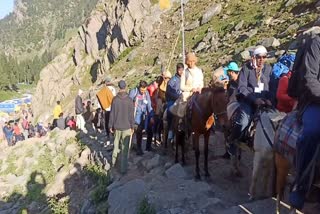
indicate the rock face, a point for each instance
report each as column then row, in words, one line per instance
column 125, row 199
column 210, row 13
column 40, row 168
column 270, row 42
column 110, row 29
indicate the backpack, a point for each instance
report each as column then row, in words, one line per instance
column 105, row 97
column 284, row 65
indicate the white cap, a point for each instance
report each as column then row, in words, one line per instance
column 260, row 50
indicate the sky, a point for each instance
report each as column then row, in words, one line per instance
column 6, row 6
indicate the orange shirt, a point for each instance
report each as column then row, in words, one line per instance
column 16, row 130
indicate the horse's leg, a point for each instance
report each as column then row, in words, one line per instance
column 256, row 166
column 282, row 169
column 177, row 141
column 183, row 143
column 269, row 174
column 197, row 153
column 235, row 161
column 206, row 152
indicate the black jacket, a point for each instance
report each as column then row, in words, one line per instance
column 248, row 81
column 311, row 71
column 122, row 112
column 304, row 84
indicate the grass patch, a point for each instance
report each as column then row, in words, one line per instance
column 8, row 95
column 146, row 208
column 102, row 179
column 59, row 206
column 11, row 167
column 45, row 166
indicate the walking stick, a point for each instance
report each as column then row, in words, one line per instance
column 134, row 115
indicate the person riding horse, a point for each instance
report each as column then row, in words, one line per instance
column 253, row 91
column 304, row 85
column 173, row 92
column 191, row 82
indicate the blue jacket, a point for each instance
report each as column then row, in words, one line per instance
column 248, row 82
column 8, row 132
column 142, row 105
column 173, row 88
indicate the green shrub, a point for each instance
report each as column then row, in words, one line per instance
column 146, row 208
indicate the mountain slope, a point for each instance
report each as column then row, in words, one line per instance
column 132, row 39
column 33, row 34
column 35, row 25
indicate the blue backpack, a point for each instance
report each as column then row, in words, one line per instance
column 284, row 65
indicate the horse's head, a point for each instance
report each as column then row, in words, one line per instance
column 219, row 102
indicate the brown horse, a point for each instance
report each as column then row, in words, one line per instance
column 283, row 166
column 211, row 101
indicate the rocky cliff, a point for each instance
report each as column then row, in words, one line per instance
column 132, row 39
column 112, row 27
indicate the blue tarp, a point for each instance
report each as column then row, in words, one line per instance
column 7, row 107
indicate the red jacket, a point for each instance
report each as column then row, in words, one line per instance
column 152, row 89
column 285, row 103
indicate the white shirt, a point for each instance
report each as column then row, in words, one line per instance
column 195, row 79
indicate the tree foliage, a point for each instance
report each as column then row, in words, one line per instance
column 29, row 36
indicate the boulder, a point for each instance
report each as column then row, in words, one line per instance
column 239, row 25
column 154, row 162
column 125, row 199
column 200, row 47
column 192, row 26
column 71, row 150
column 291, row 28
column 290, row 2
column 132, row 55
column 176, row 171
column 245, row 55
column 84, row 158
column 210, row 13
column 270, row 42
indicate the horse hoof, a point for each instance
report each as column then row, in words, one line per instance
column 183, row 163
column 207, row 175
column 176, row 161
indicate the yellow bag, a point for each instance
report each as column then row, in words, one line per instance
column 105, row 97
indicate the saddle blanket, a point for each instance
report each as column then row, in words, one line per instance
column 287, row 135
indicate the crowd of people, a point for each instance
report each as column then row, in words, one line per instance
column 287, row 86
column 21, row 128
column 253, row 85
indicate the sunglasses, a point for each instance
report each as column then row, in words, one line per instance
column 261, row 57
